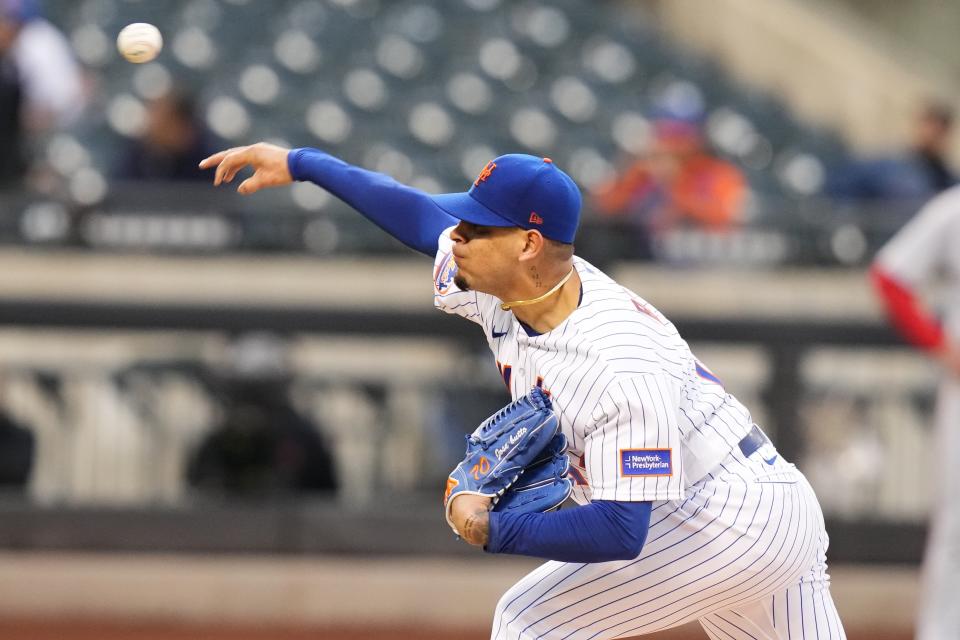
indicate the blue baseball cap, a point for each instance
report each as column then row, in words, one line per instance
column 518, row 190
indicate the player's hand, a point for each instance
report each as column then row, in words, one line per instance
column 269, row 164
column 471, row 517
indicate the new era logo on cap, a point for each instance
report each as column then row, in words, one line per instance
column 519, row 190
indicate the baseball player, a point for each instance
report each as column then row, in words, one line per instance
column 927, row 247
column 686, row 510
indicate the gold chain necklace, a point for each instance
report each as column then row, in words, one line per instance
column 506, row 306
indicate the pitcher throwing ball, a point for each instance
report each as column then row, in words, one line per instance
column 686, row 510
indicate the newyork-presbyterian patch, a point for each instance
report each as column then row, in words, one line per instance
column 646, row 462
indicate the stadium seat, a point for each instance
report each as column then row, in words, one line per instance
column 437, row 83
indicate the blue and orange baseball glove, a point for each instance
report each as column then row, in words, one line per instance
column 543, row 485
column 522, row 435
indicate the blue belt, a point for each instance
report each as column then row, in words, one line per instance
column 752, row 441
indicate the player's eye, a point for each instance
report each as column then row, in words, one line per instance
column 470, row 230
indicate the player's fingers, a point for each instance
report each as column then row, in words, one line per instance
column 212, row 160
column 240, row 161
column 231, row 164
column 215, row 159
column 222, row 167
column 251, row 185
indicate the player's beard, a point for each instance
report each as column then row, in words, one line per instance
column 461, row 282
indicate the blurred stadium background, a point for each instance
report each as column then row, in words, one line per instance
column 229, row 417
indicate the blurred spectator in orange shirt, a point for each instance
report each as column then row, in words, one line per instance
column 678, row 183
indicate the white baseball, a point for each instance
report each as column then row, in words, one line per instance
column 139, row 42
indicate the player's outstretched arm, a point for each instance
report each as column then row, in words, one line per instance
column 269, row 164
column 409, row 215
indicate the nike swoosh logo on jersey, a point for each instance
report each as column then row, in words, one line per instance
column 497, row 334
column 771, row 460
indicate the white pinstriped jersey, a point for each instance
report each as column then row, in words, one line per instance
column 643, row 418
column 736, row 538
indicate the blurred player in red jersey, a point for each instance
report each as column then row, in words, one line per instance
column 927, row 248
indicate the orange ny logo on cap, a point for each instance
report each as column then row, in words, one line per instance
column 535, row 219
column 487, row 170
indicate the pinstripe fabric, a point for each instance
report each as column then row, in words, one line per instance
column 743, row 552
column 737, row 543
column 803, row 610
column 620, row 377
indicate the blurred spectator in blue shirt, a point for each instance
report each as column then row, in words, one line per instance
column 172, row 144
column 917, row 174
column 41, row 83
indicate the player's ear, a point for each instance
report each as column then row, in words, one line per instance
column 534, row 245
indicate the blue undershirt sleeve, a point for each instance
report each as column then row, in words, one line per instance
column 407, row 214
column 601, row 531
